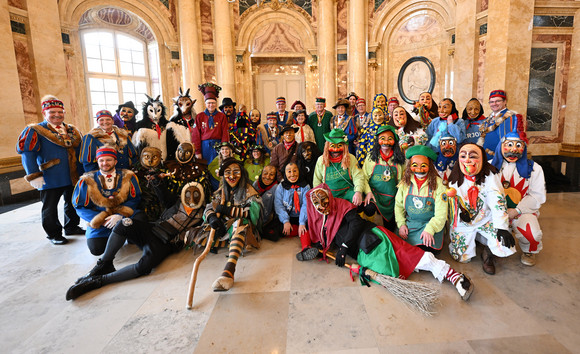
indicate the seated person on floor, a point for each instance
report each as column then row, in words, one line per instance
column 266, row 186
column 307, row 154
column 335, row 222
column 240, row 218
column 157, row 239
column 290, row 201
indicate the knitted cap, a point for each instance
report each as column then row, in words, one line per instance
column 106, row 151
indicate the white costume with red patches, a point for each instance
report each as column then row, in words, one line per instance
column 527, row 195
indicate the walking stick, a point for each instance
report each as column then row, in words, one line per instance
column 200, row 259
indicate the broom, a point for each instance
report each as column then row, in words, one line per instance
column 418, row 296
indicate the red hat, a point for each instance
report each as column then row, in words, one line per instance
column 106, row 151
column 52, row 103
column 297, row 102
column 498, row 93
column 209, row 91
column 361, row 100
column 103, row 113
column 393, row 100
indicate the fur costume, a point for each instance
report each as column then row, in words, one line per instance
column 150, row 131
column 179, row 128
column 97, row 137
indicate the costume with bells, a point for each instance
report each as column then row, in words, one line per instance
column 97, row 196
column 334, row 221
column 50, row 158
column 525, row 189
column 477, row 210
column 157, row 240
column 117, row 138
column 240, row 218
column 150, row 171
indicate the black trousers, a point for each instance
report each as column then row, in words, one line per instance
column 50, row 222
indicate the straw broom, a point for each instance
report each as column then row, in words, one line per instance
column 417, row 296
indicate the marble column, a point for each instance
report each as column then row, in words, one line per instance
column 466, row 46
column 48, row 53
column 10, row 99
column 327, row 50
column 357, row 47
column 224, row 49
column 191, row 50
column 509, row 48
column 572, row 124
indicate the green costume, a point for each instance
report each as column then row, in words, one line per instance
column 342, row 183
column 255, row 170
column 382, row 179
column 320, row 128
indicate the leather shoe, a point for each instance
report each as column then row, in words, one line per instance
column 101, row 268
column 83, row 287
column 58, row 240
column 488, row 264
column 77, row 230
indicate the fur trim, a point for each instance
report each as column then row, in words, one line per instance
column 119, row 198
column 148, row 137
column 180, row 132
column 106, row 139
column 33, row 176
column 48, row 164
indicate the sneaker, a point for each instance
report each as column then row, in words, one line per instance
column 102, row 268
column 528, row 259
column 308, row 254
column 83, row 287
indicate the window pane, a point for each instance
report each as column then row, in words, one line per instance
column 111, row 85
column 124, row 55
column 128, row 86
column 96, row 84
column 97, row 98
column 94, row 65
column 109, row 66
column 129, row 97
column 105, row 39
column 138, row 57
column 107, row 53
column 95, row 108
column 112, row 98
column 91, row 38
column 126, row 68
column 124, row 41
column 92, row 51
column 140, row 87
column 139, row 69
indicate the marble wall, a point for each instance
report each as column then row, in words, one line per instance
column 341, row 79
column 26, row 77
column 481, row 69
column 341, row 22
column 277, row 38
column 206, row 22
column 21, row 4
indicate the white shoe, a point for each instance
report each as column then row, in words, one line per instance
column 464, row 287
column 528, row 259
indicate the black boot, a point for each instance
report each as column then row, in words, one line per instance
column 102, row 268
column 83, row 287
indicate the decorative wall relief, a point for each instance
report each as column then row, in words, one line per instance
column 341, row 22
column 277, row 38
column 25, row 76
column 484, row 5
column 21, row 4
column 341, row 80
column 206, row 22
column 209, row 72
column 541, row 88
column 417, row 75
column 481, row 69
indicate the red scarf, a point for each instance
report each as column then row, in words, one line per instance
column 301, row 130
column 296, row 198
column 419, row 182
column 288, row 146
column 472, row 192
column 475, row 121
column 386, row 157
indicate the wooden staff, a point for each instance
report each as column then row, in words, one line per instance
column 200, row 259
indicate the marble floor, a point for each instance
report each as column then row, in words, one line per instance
column 280, row 305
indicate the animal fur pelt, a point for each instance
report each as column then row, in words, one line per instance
column 148, row 137
column 112, row 205
column 106, row 139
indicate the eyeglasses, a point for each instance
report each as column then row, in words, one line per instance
column 496, row 101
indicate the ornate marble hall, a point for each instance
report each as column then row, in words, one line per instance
column 94, row 54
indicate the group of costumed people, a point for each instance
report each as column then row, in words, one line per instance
column 166, row 184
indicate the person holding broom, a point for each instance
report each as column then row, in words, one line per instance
column 334, row 222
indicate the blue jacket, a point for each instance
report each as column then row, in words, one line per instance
column 509, row 124
column 284, row 204
column 437, row 127
column 126, row 153
column 46, row 153
column 90, row 199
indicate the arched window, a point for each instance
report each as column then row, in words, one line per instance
column 118, row 68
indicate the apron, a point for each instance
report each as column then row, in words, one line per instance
column 419, row 211
column 383, row 183
column 339, row 182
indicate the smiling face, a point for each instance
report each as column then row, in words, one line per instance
column 426, row 99
column 400, row 117
column 226, row 152
column 272, row 121
column 233, row 174
column 280, row 106
column 387, row 141
column 381, row 101
column 211, row 105
column 419, row 166
column 361, row 107
column 289, row 136
column 352, row 101
column 54, row 115
column 255, row 116
column 336, row 150
column 292, row 173
column 378, row 116
column 319, row 107
column 298, row 107
column 321, row 201
column 106, row 164
column 448, row 147
column 445, row 108
column 301, row 118
column 512, row 150
column 497, row 104
column 126, row 114
column 256, row 154
column 340, row 110
column 106, row 123
column 269, row 175
column 473, row 109
column 391, row 107
column 470, row 159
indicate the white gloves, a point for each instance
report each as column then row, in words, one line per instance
column 112, row 220
column 37, row 182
